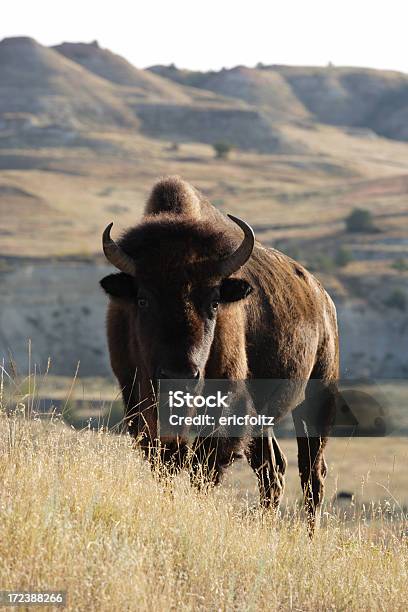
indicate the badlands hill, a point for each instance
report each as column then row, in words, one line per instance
column 269, row 109
column 353, row 97
column 375, row 99
column 180, row 112
column 75, row 87
column 39, row 86
column 263, row 89
column 116, row 69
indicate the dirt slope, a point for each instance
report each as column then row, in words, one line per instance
column 39, row 85
column 115, row 68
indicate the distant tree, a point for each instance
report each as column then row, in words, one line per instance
column 397, row 299
column 343, row 257
column 400, row 264
column 222, row 149
column 360, row 220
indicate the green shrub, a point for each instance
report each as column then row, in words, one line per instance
column 222, row 149
column 360, row 220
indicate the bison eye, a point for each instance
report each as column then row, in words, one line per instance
column 214, row 304
column 142, row 303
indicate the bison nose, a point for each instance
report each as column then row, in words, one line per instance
column 190, row 373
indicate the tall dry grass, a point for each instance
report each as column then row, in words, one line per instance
column 80, row 511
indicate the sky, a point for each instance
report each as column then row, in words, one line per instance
column 211, row 34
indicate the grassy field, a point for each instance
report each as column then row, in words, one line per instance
column 81, row 512
column 65, row 196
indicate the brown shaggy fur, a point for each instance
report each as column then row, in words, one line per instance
column 285, row 329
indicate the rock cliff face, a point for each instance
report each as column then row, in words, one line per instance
column 244, row 128
column 372, row 343
column 61, row 308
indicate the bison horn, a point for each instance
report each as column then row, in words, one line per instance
column 115, row 255
column 232, row 263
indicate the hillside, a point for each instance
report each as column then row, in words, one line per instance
column 39, row 87
column 375, row 99
column 115, row 68
column 353, row 97
column 264, row 89
column 76, row 86
column 53, row 96
column 175, row 111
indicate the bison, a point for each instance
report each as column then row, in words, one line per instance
column 196, row 297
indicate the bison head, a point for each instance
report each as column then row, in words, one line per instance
column 175, row 275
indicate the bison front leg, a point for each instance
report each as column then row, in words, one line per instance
column 140, row 418
column 166, row 455
column 266, row 458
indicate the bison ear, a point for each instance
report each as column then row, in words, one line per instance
column 234, row 289
column 119, row 285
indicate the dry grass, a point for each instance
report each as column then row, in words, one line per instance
column 74, row 192
column 81, row 511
